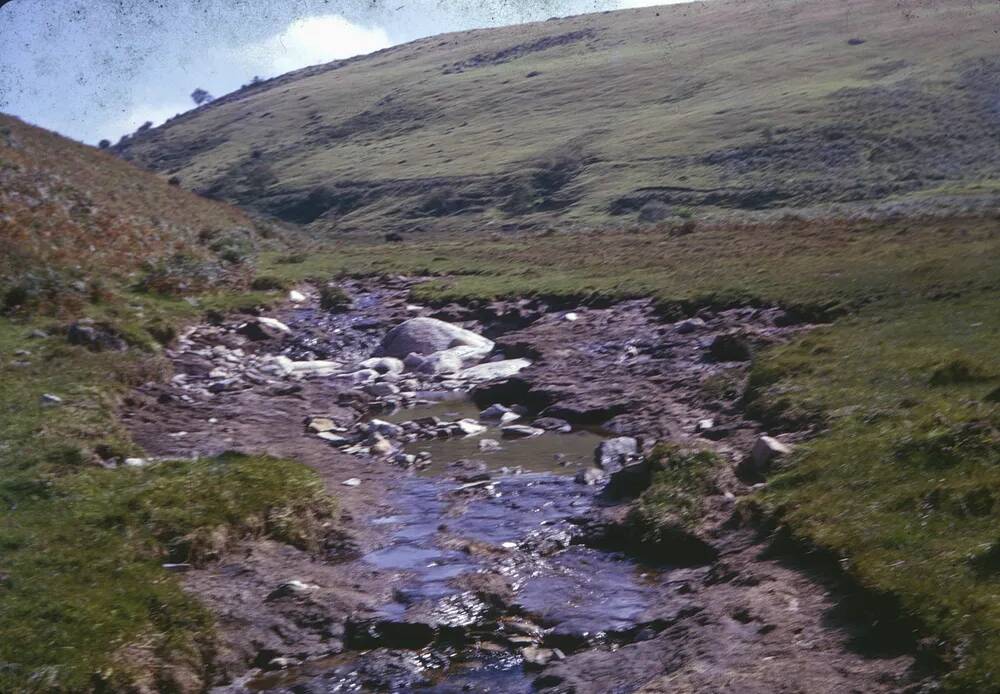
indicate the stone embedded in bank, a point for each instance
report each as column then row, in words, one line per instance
column 612, row 455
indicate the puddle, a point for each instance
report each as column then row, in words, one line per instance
column 557, row 453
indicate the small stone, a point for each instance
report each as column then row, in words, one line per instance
column 289, row 588
column 334, row 439
column 387, row 429
column 589, row 476
column 538, row 657
column 494, row 412
column 765, row 451
column 48, row 399
column 177, row 568
column 318, row 425
column 136, row 462
column 382, row 446
column 382, row 390
column 384, row 365
column 704, row 425
column 689, row 325
column 470, row 427
column 572, row 316
column 487, row 445
column 520, row 431
column 296, row 296
column 282, row 663
column 353, row 482
column 553, row 424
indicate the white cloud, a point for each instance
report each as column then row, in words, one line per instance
column 314, row 40
column 309, row 41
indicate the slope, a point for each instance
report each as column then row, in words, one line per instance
column 643, row 115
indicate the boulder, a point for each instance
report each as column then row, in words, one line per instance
column 612, row 455
column 493, row 370
column 429, row 335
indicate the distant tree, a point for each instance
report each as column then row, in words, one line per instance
column 200, row 96
column 145, row 126
column 104, row 144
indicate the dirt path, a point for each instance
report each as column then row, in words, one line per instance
column 476, row 577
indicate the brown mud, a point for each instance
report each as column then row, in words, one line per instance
column 481, row 574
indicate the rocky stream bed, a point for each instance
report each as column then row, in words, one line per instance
column 483, row 479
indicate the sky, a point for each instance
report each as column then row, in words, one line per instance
column 94, row 70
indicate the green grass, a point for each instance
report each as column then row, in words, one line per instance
column 904, row 484
column 84, row 602
column 674, row 498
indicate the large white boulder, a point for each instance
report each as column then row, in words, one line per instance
column 429, row 335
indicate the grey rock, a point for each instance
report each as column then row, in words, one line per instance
column 384, row 365
column 495, row 370
column 611, row 455
column 520, row 431
column 382, row 390
column 429, row 335
column 494, row 412
column 589, row 476
column 487, row 445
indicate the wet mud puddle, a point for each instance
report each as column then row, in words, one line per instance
column 493, row 576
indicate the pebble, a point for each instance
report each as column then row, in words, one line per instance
column 50, row 399
column 352, row 482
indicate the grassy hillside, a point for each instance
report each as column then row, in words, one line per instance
column 75, row 223
column 84, row 602
column 648, row 114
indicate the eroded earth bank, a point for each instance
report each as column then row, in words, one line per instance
column 504, row 498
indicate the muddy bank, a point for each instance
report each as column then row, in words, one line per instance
column 462, row 565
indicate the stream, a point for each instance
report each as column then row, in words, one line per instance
column 478, row 559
